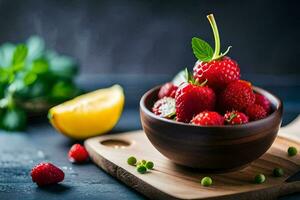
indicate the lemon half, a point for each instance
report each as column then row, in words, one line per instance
column 90, row 114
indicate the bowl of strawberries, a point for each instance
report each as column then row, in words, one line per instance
column 211, row 119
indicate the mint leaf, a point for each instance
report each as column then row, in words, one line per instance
column 20, row 54
column 6, row 54
column 40, row 66
column 62, row 91
column 63, row 67
column 36, row 47
column 202, row 50
column 29, row 78
column 4, row 76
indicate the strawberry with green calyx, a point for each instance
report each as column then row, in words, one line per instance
column 192, row 98
column 235, row 117
column 214, row 66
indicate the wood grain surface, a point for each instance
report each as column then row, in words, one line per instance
column 170, row 181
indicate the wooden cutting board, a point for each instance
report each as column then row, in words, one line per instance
column 169, row 181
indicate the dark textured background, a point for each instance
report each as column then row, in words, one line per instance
column 143, row 36
column 139, row 44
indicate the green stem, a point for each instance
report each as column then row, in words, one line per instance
column 8, row 100
column 214, row 27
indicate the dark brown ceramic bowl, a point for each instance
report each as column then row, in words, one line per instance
column 211, row 148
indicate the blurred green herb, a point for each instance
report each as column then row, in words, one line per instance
column 32, row 79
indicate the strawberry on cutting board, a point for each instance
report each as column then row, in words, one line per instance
column 213, row 66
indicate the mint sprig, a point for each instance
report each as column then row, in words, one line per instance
column 202, row 50
column 19, row 57
column 20, row 54
column 32, row 78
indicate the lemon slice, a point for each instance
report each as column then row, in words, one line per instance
column 90, row 114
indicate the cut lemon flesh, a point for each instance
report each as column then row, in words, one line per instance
column 90, row 114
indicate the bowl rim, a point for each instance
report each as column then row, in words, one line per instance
column 251, row 124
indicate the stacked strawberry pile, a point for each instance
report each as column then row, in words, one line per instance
column 214, row 94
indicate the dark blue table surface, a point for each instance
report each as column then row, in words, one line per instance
column 20, row 151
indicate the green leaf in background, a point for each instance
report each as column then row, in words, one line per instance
column 202, row 50
column 62, row 66
column 4, row 76
column 2, row 90
column 20, row 54
column 39, row 88
column 6, row 54
column 32, row 79
column 40, row 66
column 36, row 47
column 62, row 91
column 13, row 119
column 29, row 78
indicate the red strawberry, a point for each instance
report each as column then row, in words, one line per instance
column 238, row 95
column 263, row 101
column 219, row 73
column 207, row 118
column 214, row 66
column 193, row 99
column 46, row 173
column 235, row 117
column 165, row 107
column 78, row 154
column 167, row 90
column 256, row 112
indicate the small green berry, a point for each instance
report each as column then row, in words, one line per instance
column 143, row 162
column 259, row 178
column 206, row 181
column 131, row 160
column 149, row 165
column 278, row 172
column 141, row 169
column 292, row 151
